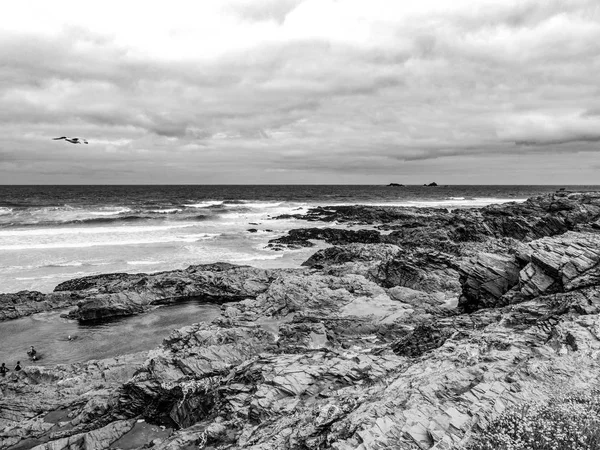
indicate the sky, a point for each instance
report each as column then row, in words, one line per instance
column 300, row 91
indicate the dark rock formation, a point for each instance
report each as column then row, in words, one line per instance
column 396, row 184
column 25, row 303
column 213, row 283
column 485, row 279
column 337, row 236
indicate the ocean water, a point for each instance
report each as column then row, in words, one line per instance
column 49, row 333
column 49, row 234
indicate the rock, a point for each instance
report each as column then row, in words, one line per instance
column 212, row 283
column 485, row 279
column 252, row 230
column 96, row 281
column 561, row 264
column 64, row 403
column 301, row 237
column 545, row 215
column 25, row 303
column 98, row 439
column 396, row 184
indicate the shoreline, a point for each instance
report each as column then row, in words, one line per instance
column 409, row 325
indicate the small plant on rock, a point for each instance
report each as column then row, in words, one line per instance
column 568, row 421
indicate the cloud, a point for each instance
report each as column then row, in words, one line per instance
column 544, row 129
column 296, row 86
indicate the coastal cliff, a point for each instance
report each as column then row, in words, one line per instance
column 412, row 332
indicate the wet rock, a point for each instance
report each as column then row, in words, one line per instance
column 25, row 303
column 300, row 237
column 96, row 281
column 212, row 283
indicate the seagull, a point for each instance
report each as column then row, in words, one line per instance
column 74, row 140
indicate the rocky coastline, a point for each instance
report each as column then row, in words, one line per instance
column 413, row 331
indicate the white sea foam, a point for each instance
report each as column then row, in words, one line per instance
column 259, row 257
column 66, row 264
column 4, row 210
column 49, row 277
column 165, row 211
column 54, row 245
column 107, row 211
column 143, row 263
column 90, row 230
column 206, row 204
column 201, row 236
column 260, row 204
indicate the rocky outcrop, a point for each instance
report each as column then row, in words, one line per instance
column 69, row 406
column 301, row 237
column 213, row 283
column 556, row 264
column 389, row 265
column 485, row 280
column 96, row 281
column 25, row 303
column 538, row 217
column 563, row 263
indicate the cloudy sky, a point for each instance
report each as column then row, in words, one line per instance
column 300, row 91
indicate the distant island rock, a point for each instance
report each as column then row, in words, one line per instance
column 431, row 184
column 396, row 184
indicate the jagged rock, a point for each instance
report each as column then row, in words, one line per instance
column 301, row 237
column 212, row 283
column 177, row 386
column 42, row 404
column 96, row 281
column 389, row 266
column 485, row 279
column 545, row 215
column 562, row 263
column 353, row 253
column 25, row 303
column 98, row 439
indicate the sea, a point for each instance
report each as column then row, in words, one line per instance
column 49, row 234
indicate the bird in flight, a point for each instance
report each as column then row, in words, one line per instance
column 74, row 140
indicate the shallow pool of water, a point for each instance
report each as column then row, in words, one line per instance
column 49, row 333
